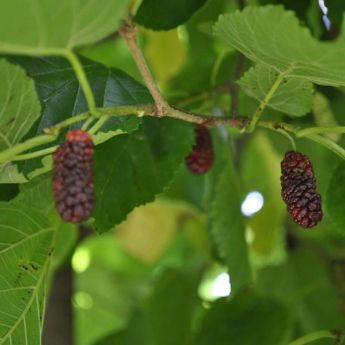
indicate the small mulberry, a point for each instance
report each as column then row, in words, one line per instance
column 73, row 187
column 299, row 190
column 200, row 160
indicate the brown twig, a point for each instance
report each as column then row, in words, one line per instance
column 128, row 32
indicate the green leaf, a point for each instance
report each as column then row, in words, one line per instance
column 9, row 174
column 267, row 225
column 61, row 96
column 48, row 27
column 272, row 36
column 324, row 116
column 25, row 248
column 131, row 169
column 162, row 321
column 19, row 109
column 166, row 320
column 19, row 104
column 245, row 320
column 306, row 286
column 37, row 193
column 227, row 226
column 294, row 96
column 135, row 333
column 121, row 285
column 335, row 197
column 166, row 14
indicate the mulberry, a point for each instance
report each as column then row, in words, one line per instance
column 200, row 160
column 299, row 189
column 73, row 187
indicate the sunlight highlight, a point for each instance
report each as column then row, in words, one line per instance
column 252, row 204
column 81, row 260
column 325, row 18
column 221, row 286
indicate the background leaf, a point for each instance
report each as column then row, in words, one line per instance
column 227, row 226
column 305, row 284
column 245, row 320
column 335, row 197
column 131, row 169
column 43, row 26
column 260, row 171
column 166, row 14
column 294, row 96
column 272, row 36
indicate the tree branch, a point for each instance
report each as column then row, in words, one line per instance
column 128, row 32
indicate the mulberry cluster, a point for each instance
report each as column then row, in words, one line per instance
column 200, row 160
column 299, row 189
column 73, row 187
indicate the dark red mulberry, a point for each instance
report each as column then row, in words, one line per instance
column 200, row 160
column 73, row 187
column 299, row 189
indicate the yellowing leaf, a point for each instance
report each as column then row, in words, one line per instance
column 166, row 53
column 148, row 230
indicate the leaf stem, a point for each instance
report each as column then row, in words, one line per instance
column 84, row 83
column 98, row 125
column 87, row 123
column 70, row 121
column 328, row 143
column 289, row 137
column 320, row 130
column 35, row 154
column 312, row 337
column 8, row 154
column 265, row 101
column 128, row 32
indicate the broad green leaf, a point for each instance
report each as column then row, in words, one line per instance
column 61, row 96
column 335, row 197
column 131, row 169
column 245, row 320
column 294, row 96
column 227, row 226
column 38, row 194
column 272, row 36
column 166, row 14
column 19, row 109
column 25, row 249
column 19, row 105
column 42, row 27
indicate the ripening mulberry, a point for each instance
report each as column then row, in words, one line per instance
column 299, row 189
column 200, row 160
column 73, row 187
